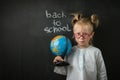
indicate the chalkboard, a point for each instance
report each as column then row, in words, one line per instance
column 27, row 27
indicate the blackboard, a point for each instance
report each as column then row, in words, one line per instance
column 27, row 27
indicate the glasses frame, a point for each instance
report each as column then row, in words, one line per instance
column 84, row 35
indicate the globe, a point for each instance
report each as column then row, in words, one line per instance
column 60, row 45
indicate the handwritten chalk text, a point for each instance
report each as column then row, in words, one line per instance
column 57, row 29
column 57, row 25
column 55, row 15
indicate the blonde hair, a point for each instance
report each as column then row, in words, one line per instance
column 93, row 21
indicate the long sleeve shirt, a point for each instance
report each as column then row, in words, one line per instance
column 85, row 64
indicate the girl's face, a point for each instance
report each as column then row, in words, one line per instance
column 82, row 33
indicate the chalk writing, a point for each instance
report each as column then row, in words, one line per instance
column 57, row 25
column 55, row 14
column 57, row 29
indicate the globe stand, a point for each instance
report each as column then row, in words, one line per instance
column 61, row 63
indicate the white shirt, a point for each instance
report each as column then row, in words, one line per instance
column 85, row 64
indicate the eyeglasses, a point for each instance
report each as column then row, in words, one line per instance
column 84, row 35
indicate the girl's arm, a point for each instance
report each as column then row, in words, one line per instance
column 101, row 69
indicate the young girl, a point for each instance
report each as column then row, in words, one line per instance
column 86, row 61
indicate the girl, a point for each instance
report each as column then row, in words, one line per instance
column 86, row 61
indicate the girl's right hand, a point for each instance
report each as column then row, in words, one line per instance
column 58, row 59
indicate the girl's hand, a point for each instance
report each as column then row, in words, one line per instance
column 58, row 59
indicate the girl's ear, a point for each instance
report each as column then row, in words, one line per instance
column 73, row 37
column 92, row 34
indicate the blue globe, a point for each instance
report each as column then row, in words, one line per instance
column 60, row 45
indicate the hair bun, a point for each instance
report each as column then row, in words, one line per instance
column 94, row 20
column 77, row 16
